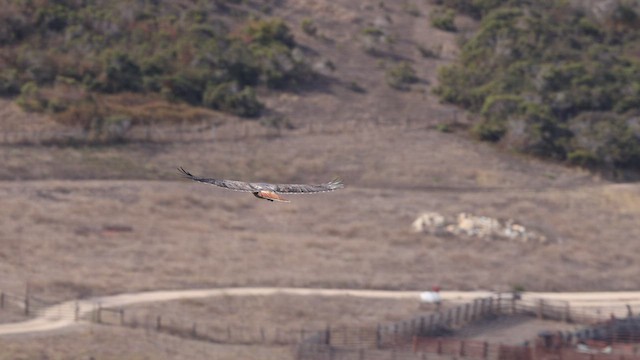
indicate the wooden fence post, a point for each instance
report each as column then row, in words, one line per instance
column 474, row 313
column 378, row 337
column 467, row 306
column 194, row 330
column 122, row 316
column 262, row 335
column 99, row 314
column 344, row 335
column 395, row 333
column 485, row 350
column 26, row 305
column 2, row 300
column 327, row 336
column 461, row 352
column 540, row 309
column 158, row 323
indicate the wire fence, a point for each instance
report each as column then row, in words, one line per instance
column 434, row 335
column 429, row 336
column 203, row 331
column 23, row 305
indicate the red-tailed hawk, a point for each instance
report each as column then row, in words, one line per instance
column 267, row 191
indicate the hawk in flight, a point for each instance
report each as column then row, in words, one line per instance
column 267, row 191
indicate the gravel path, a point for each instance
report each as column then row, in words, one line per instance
column 71, row 313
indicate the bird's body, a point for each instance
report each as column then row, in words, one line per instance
column 269, row 195
column 267, row 191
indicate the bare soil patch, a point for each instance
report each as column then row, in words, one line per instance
column 511, row 330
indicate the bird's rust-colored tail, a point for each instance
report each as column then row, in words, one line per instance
column 270, row 195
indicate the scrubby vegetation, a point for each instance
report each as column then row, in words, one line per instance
column 552, row 79
column 443, row 20
column 400, row 76
column 64, row 57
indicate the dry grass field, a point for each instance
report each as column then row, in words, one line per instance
column 87, row 221
column 113, row 343
column 77, row 238
column 285, row 313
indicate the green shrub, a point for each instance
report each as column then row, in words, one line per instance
column 372, row 31
column 443, row 20
column 120, row 73
column 583, row 158
column 444, row 128
column 309, row 27
column 9, row 83
column 428, row 52
column 542, row 85
column 13, row 28
column 400, row 76
column 156, row 48
column 53, row 17
column 186, row 86
column 605, row 137
column 355, row 87
column 231, row 98
column 501, row 106
column 490, row 130
column 30, row 98
column 268, row 32
column 278, row 122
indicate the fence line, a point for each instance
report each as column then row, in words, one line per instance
column 29, row 306
column 427, row 333
column 229, row 334
column 417, row 338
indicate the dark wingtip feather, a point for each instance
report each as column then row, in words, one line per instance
column 185, row 173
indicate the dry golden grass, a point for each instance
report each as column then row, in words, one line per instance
column 286, row 313
column 114, row 343
column 191, row 235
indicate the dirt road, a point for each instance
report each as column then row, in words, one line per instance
column 71, row 313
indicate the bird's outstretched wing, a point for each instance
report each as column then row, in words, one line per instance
column 228, row 184
column 278, row 188
column 308, row 188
